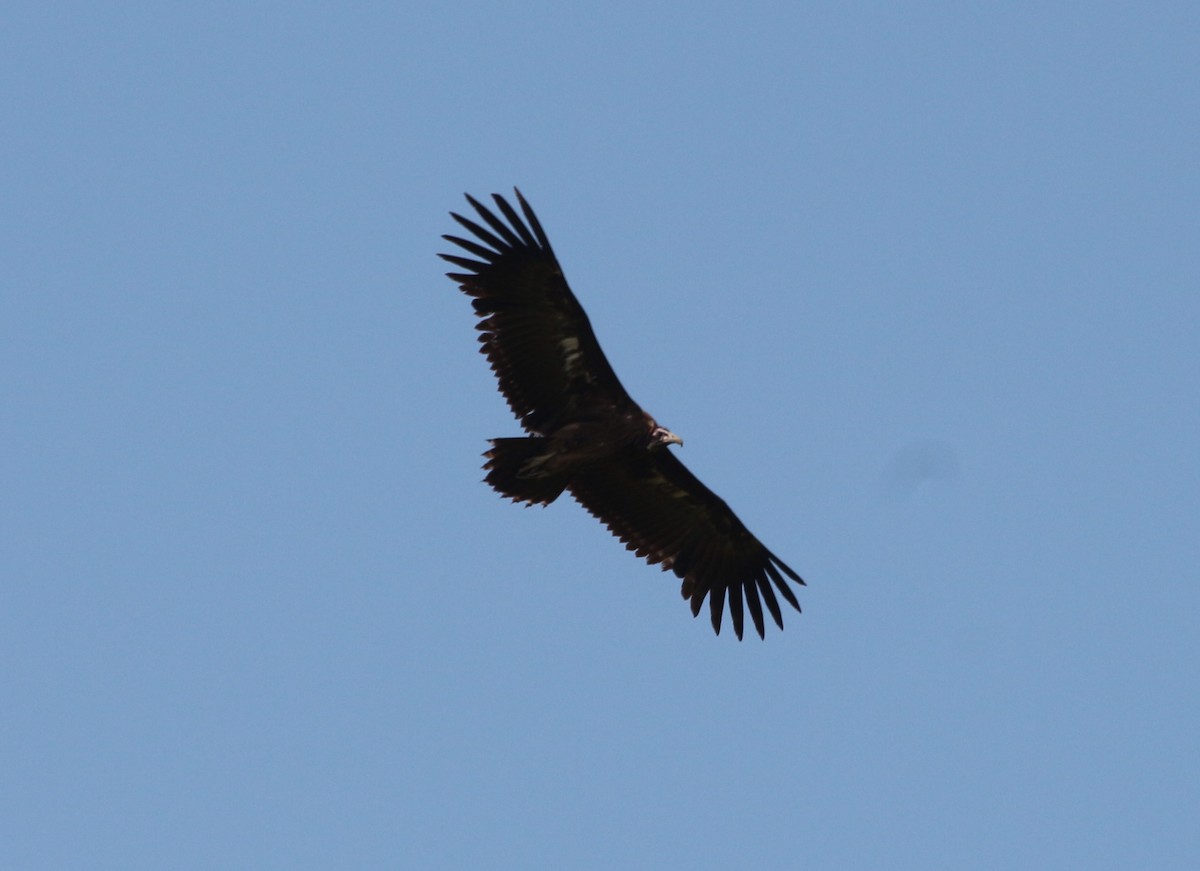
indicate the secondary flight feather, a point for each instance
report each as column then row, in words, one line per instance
column 587, row 436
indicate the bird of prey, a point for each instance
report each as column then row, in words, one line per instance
column 587, row 436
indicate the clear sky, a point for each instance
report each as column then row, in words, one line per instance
column 918, row 283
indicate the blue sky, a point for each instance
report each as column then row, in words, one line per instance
column 917, row 283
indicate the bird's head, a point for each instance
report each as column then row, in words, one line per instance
column 660, row 437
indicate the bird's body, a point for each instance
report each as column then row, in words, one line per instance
column 588, row 437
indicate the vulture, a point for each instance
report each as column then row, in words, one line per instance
column 587, row 436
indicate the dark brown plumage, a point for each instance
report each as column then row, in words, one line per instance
column 588, row 436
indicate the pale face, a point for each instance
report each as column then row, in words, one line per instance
column 663, row 436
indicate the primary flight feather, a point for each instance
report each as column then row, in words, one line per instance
column 587, row 436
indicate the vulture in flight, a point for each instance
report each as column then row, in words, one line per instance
column 586, row 435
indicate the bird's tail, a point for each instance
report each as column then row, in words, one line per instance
column 514, row 470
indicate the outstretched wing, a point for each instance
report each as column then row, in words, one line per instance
column 663, row 513
column 534, row 332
